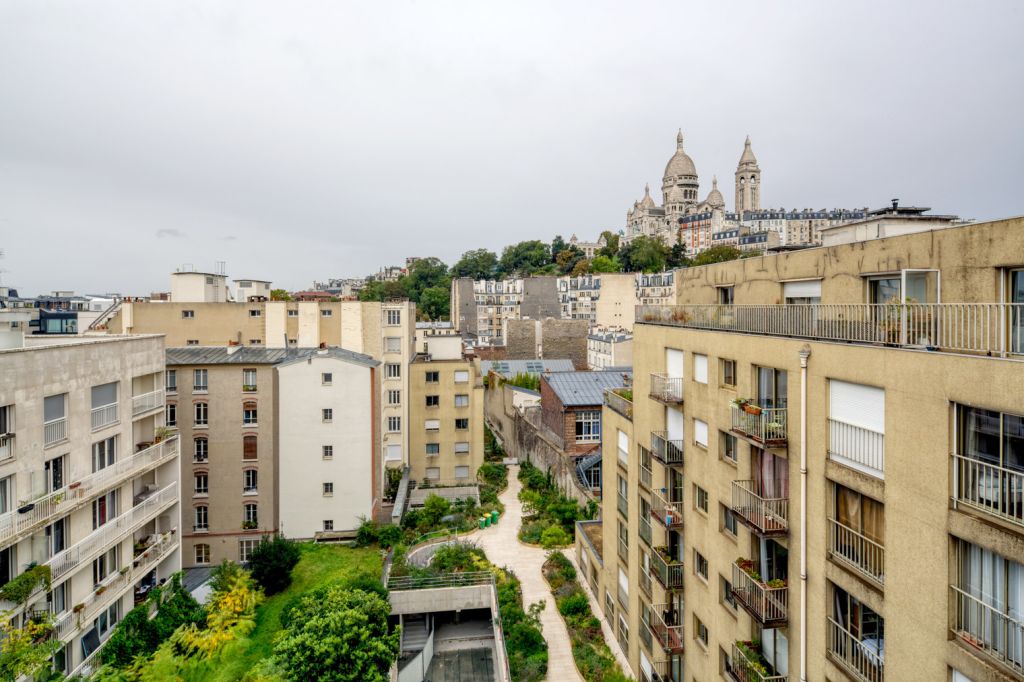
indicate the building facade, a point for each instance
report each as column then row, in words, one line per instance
column 609, row 348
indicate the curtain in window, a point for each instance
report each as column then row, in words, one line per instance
column 771, row 474
column 999, row 584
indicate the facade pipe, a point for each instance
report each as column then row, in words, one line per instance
column 805, row 354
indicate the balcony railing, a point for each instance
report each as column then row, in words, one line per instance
column 623, row 505
column 6, row 446
column 990, row 630
column 104, row 415
column 863, row 659
column 668, row 514
column 619, row 403
column 857, row 550
column 667, row 628
column 857, row 447
column 768, row 427
column 147, row 402
column 669, row 572
column 665, row 450
column 769, row 605
column 749, row 666
column 55, row 431
column 667, row 389
column 989, row 488
column 645, row 530
column 768, row 516
column 984, row 328
column 15, row 525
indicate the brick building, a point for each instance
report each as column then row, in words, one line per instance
column 571, row 407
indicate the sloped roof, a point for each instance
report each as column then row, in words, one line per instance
column 512, row 367
column 585, row 388
column 254, row 355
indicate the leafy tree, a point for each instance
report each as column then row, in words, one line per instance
column 339, row 635
column 271, row 563
column 581, row 268
column 611, row 244
column 382, row 291
column 424, row 274
column 138, row 634
column 434, row 508
column 25, row 652
column 478, row 264
column 434, row 303
column 644, row 254
column 557, row 246
column 717, row 254
column 568, row 258
column 524, row 258
column 677, row 257
column 604, row 264
column 280, row 295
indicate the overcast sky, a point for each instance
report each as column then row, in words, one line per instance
column 304, row 140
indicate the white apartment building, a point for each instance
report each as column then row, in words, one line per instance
column 88, row 482
column 608, row 348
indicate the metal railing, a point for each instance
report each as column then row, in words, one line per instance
column 104, row 415
column 666, row 626
column 745, row 668
column 147, row 402
column 766, row 604
column 990, row 488
column 623, row 505
column 864, row 660
column 15, row 524
column 767, row 427
column 664, row 450
column 618, row 403
column 464, row 579
column 984, row 328
column 768, row 515
column 669, row 572
column 666, row 389
column 645, row 530
column 668, row 514
column 856, row 446
column 55, row 431
column 857, row 550
column 6, row 446
column 988, row 629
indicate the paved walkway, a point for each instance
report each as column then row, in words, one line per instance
column 504, row 549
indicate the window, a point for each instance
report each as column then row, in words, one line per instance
column 989, row 597
column 433, row 473
column 588, row 426
column 327, row 414
column 192, row 342
column 805, row 292
column 884, row 290
column 393, row 453
column 856, row 634
column 104, row 453
column 328, row 489
column 461, row 376
column 202, row 414
column 700, row 631
column 200, row 380
column 254, row 312
column 171, row 380
column 727, row 446
column 989, row 457
column 327, row 451
column 432, row 377
column 430, row 424
column 393, row 344
column 249, row 414
column 700, row 565
column 201, row 484
column 251, row 515
column 700, row 433
column 728, row 520
column 462, row 471
column 255, row 342
column 462, row 401
column 727, row 596
column 857, row 426
column 461, row 424
column 394, row 424
column 104, row 405
column 857, row 530
column 250, row 447
column 726, row 295
column 392, row 370
column 202, row 518
column 201, row 451
column 188, row 314
column 394, row 397
column 248, row 380
column 171, row 414
column 245, row 548
column 700, row 498
column 292, row 312
column 462, row 448
column 328, row 525
column 433, row 401
column 700, row 368
column 104, row 565
column 250, row 480
column 392, row 317
column 326, row 378
column 433, row 448
column 202, row 551
column 326, row 312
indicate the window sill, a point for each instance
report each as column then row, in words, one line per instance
column 250, row 426
column 200, row 391
column 200, row 426
column 205, row 460
column 198, row 494
column 250, row 493
column 328, row 494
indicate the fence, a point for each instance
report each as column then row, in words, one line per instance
column 857, row 446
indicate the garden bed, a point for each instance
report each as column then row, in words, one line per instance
column 549, row 517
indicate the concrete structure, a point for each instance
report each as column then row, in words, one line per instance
column 251, row 290
column 609, row 348
column 886, row 222
column 551, row 338
column 858, row 456
column 88, row 483
column 655, row 288
column 480, row 307
column 188, row 286
column 536, row 367
column 589, row 249
column 606, row 300
column 571, row 407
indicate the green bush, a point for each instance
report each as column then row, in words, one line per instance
column 271, row 563
column 554, row 536
column 493, row 474
column 434, row 508
column 576, row 604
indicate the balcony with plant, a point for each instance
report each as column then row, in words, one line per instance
column 765, row 600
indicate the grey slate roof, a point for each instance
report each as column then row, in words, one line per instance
column 584, row 388
column 510, row 368
column 254, row 355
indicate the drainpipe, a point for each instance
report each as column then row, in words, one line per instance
column 805, row 353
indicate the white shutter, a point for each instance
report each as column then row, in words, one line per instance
column 673, row 363
column 674, row 421
column 645, row 665
column 808, row 288
column 432, row 424
column 700, row 368
column 857, row 404
column 623, row 441
column 623, row 583
column 700, row 432
column 393, row 453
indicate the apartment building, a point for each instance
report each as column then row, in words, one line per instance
column 88, row 483
column 608, row 348
column 605, row 300
column 446, row 429
column 655, row 288
column 823, row 467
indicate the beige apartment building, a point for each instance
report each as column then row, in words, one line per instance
column 446, row 428
column 820, row 473
column 88, row 482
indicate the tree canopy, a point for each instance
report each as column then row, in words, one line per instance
column 477, row 264
column 717, row 254
column 644, row 254
column 524, row 258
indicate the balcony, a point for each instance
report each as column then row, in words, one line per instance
column 857, row 447
column 766, row 516
column 668, row 514
column 667, row 628
column 864, row 660
column 857, row 551
column 666, row 389
column 989, row 488
column 55, row 431
column 668, row 571
column 978, row 328
column 6, row 446
column 147, row 402
column 766, row 602
column 623, row 505
column 104, row 415
column 645, row 530
column 620, row 400
column 748, row 665
column 766, row 426
column 17, row 524
column 668, row 452
column 988, row 630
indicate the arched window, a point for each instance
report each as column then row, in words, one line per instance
column 250, row 481
column 250, row 515
column 202, row 414
column 202, row 553
column 249, row 414
column 201, row 483
column 201, row 518
column 249, row 449
column 202, row 450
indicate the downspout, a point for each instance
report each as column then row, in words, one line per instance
column 805, row 353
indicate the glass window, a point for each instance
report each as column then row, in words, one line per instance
column 251, row 514
column 728, row 520
column 394, row 397
column 588, row 426
column 884, row 290
column 254, row 312
column 326, row 312
column 200, row 378
column 433, row 401
column 104, row 453
column 202, row 553
column 989, row 602
column 727, row 446
column 433, row 448
column 700, row 368
column 202, row 414
column 250, row 480
column 104, row 509
column 393, row 317
column 326, row 378
column 728, row 368
column 328, row 488
column 327, row 414
column 188, row 314
column 248, row 379
column 700, row 498
column 393, row 370
column 201, row 484
column 245, row 548
column 462, row 401
column 54, row 407
column 700, row 564
column 249, row 414
column 700, row 432
column 328, row 525
column 432, row 377
column 202, row 517
column 394, row 424
column 171, row 380
column 250, row 447
column 171, row 414
column 201, row 452
column 726, row 295
column 327, row 451
column 461, row 424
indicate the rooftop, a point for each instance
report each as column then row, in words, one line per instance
column 254, row 355
column 513, row 367
column 585, row 388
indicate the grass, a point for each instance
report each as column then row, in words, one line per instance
column 319, row 564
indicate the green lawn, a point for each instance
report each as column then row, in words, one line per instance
column 319, row 564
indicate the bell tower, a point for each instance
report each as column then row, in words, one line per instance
column 748, row 182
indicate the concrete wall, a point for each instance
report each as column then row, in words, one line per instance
column 540, row 298
column 617, row 304
column 554, row 338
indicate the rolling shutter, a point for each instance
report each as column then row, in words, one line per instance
column 856, row 404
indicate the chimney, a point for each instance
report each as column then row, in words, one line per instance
column 895, row 205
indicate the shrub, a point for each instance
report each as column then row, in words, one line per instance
column 271, row 563
column 576, row 604
column 389, row 535
column 554, row 536
column 21, row 588
column 434, row 507
column 493, row 474
column 367, row 533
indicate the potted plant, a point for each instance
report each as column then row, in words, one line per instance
column 776, row 583
column 78, row 608
column 74, row 485
column 161, row 433
column 26, row 507
column 738, row 403
column 100, row 590
column 750, row 407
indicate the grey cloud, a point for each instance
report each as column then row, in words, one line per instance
column 169, row 232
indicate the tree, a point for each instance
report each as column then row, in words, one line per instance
column 716, row 254
column 677, row 257
column 604, row 264
column 24, row 652
column 338, row 635
column 568, row 258
column 524, row 258
column 477, row 264
column 382, row 291
column 611, row 244
column 581, row 268
column 434, row 303
column 271, row 563
column 280, row 295
column 644, row 254
column 557, row 246
column 424, row 274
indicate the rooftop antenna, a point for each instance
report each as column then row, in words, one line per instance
column 220, row 267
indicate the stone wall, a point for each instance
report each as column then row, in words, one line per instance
column 554, row 338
